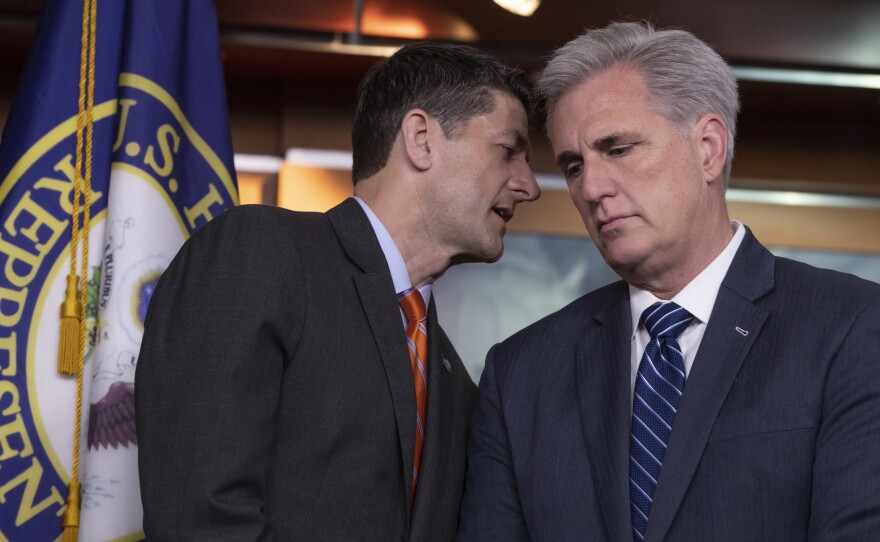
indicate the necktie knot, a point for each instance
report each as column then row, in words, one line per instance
column 665, row 320
column 413, row 305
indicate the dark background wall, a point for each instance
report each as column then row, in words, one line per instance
column 292, row 68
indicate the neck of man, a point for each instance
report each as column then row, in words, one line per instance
column 397, row 207
column 703, row 247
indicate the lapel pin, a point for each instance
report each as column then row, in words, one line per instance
column 447, row 365
column 742, row 332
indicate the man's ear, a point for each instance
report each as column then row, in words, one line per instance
column 416, row 130
column 711, row 134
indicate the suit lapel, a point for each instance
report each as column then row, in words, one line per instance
column 733, row 327
column 603, row 374
column 439, row 427
column 377, row 297
column 376, row 291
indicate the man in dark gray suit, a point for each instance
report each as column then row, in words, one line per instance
column 717, row 392
column 276, row 395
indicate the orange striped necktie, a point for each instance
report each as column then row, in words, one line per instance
column 417, row 339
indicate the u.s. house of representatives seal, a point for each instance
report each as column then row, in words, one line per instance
column 164, row 182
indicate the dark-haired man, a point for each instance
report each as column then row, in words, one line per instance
column 293, row 382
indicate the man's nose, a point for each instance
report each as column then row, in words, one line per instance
column 524, row 184
column 596, row 181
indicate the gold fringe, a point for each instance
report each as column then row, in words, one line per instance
column 68, row 342
column 70, row 520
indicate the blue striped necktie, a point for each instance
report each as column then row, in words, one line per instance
column 659, row 385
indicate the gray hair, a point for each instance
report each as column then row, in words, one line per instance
column 686, row 78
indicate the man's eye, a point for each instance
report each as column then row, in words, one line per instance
column 508, row 151
column 573, row 169
column 620, row 150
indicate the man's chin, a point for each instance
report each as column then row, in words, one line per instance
column 496, row 257
column 486, row 256
column 629, row 265
column 494, row 254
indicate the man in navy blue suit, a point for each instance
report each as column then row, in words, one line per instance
column 716, row 392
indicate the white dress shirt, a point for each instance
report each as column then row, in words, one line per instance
column 698, row 298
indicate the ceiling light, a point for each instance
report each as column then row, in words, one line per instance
column 520, row 7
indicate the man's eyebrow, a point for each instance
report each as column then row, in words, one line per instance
column 521, row 142
column 517, row 136
column 603, row 143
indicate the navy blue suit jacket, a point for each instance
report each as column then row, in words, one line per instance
column 777, row 436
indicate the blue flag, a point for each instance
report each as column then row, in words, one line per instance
column 161, row 168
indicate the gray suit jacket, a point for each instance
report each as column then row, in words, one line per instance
column 274, row 393
column 776, row 437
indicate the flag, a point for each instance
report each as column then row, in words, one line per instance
column 161, row 167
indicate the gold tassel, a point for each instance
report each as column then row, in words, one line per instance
column 68, row 343
column 70, row 521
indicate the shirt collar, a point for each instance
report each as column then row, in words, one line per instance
column 399, row 274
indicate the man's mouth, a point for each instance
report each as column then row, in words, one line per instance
column 612, row 222
column 505, row 214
